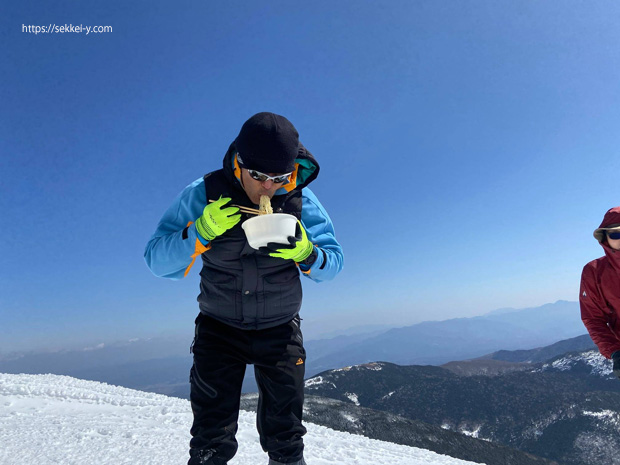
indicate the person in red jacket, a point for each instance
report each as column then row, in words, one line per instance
column 599, row 295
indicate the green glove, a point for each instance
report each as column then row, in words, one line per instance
column 298, row 250
column 215, row 221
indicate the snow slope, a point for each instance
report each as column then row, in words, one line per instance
column 598, row 364
column 51, row 419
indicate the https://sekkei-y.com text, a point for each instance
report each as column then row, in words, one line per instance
column 65, row 29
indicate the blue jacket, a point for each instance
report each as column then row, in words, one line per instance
column 175, row 245
column 168, row 255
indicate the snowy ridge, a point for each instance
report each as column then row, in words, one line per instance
column 51, row 419
column 374, row 366
column 317, row 380
column 600, row 365
column 609, row 415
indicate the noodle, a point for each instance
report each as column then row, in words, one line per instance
column 265, row 205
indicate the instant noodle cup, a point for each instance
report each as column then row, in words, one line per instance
column 277, row 227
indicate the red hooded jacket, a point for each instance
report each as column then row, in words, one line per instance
column 599, row 295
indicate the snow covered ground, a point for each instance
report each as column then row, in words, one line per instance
column 50, row 419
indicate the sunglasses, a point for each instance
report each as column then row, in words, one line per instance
column 613, row 235
column 262, row 177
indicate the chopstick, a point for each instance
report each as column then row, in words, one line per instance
column 251, row 211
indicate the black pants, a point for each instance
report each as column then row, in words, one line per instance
column 221, row 354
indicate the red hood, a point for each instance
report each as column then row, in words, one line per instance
column 612, row 217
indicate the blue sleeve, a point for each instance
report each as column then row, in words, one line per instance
column 169, row 251
column 320, row 230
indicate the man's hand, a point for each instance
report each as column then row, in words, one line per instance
column 215, row 221
column 298, row 249
column 616, row 359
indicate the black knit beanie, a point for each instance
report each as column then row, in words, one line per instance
column 268, row 143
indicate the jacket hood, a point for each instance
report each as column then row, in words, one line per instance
column 611, row 220
column 306, row 170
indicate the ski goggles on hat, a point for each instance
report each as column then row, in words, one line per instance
column 613, row 235
column 262, row 177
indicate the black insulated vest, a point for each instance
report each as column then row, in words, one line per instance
column 238, row 285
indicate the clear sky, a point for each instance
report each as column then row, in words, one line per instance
column 468, row 149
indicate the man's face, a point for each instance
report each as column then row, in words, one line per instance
column 255, row 188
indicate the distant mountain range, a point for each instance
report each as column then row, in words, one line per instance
column 504, row 361
column 566, row 408
column 438, row 342
column 576, row 344
column 161, row 364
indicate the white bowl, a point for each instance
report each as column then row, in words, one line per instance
column 275, row 227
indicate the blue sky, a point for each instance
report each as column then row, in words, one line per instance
column 467, row 150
